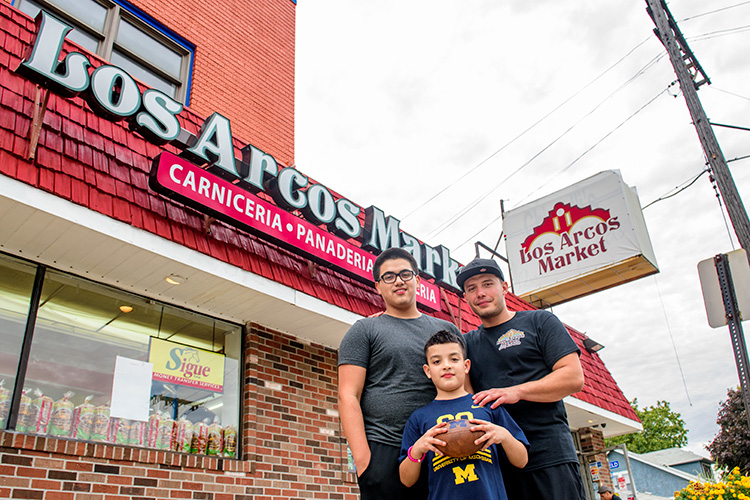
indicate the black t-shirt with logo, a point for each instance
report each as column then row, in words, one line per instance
column 525, row 349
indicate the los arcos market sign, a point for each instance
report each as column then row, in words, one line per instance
column 208, row 177
column 583, row 238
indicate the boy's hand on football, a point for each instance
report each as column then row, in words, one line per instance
column 428, row 441
column 493, row 434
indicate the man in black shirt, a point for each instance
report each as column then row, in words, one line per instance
column 527, row 362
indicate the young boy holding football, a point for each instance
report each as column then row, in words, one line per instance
column 477, row 476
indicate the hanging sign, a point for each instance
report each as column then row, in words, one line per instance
column 184, row 365
column 584, row 238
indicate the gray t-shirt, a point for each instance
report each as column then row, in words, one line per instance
column 392, row 351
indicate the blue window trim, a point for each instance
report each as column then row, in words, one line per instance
column 189, row 46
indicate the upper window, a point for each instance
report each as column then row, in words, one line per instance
column 126, row 37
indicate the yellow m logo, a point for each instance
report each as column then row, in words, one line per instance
column 463, row 475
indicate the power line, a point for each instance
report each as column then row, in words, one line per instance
column 452, row 183
column 573, row 162
column 679, row 189
column 722, row 208
column 446, row 224
column 730, row 93
column 565, row 169
column 718, row 33
column 674, row 346
column 714, row 11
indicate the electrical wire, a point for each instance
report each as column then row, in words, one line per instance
column 571, row 163
column 722, row 209
column 713, row 11
column 567, row 167
column 452, row 183
column 679, row 189
column 671, row 337
column 718, row 33
column 448, row 223
column 727, row 92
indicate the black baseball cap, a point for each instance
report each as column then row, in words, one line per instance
column 478, row 266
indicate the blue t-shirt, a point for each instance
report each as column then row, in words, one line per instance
column 476, row 477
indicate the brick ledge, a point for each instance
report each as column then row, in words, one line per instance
column 10, row 440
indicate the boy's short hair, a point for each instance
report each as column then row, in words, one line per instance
column 445, row 337
column 393, row 254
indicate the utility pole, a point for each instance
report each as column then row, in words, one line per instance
column 684, row 62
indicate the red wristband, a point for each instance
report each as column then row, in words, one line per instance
column 408, row 455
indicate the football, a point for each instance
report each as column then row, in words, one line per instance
column 459, row 439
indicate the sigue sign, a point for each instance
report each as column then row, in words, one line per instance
column 207, row 176
column 184, row 365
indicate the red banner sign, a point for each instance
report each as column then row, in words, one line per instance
column 194, row 185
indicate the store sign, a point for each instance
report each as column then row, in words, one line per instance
column 113, row 94
column 584, row 238
column 183, row 365
column 195, row 186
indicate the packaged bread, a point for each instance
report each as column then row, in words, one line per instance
column 200, row 437
column 41, row 408
column 215, row 444
column 24, row 410
column 230, row 441
column 118, row 431
column 137, row 436
column 165, row 437
column 184, row 435
column 152, row 429
column 4, row 403
column 83, row 419
column 61, row 420
column 100, row 427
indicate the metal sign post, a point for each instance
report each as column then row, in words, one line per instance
column 735, row 326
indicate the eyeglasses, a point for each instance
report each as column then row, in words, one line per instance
column 405, row 275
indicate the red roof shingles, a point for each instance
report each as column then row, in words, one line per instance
column 103, row 166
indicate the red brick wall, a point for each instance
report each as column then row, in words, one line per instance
column 291, row 447
column 244, row 64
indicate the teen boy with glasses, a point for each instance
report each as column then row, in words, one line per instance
column 380, row 378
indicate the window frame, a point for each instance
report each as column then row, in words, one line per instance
column 120, row 9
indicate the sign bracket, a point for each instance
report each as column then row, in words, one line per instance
column 41, row 97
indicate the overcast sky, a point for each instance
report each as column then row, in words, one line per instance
column 416, row 107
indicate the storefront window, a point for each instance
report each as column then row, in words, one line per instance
column 16, row 283
column 81, row 330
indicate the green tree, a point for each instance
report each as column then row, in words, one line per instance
column 662, row 429
column 731, row 446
